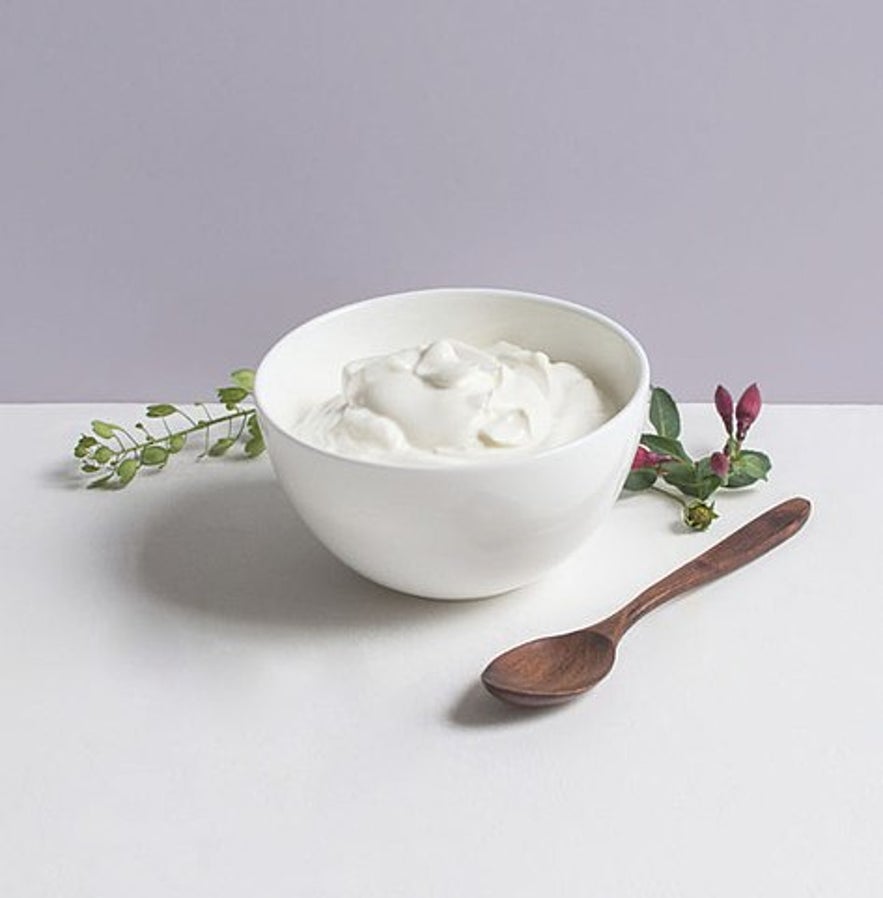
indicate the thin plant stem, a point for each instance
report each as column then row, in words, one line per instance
column 674, row 496
column 137, row 446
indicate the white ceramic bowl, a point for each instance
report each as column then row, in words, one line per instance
column 465, row 530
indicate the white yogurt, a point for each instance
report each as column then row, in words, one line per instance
column 448, row 401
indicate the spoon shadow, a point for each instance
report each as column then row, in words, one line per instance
column 477, row 708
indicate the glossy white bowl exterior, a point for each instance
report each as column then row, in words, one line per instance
column 463, row 530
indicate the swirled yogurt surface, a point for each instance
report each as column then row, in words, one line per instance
column 448, row 400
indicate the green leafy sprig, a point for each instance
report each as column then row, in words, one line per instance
column 664, row 465
column 116, row 455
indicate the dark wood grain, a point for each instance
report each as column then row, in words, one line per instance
column 555, row 669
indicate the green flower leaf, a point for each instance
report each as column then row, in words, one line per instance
column 102, row 454
column 244, row 378
column 678, row 471
column 154, row 455
column 755, row 463
column 104, row 429
column 89, row 468
column 664, row 414
column 748, row 467
column 177, row 442
column 127, row 470
column 705, row 486
column 641, row 479
column 162, row 410
column 666, row 446
column 692, row 480
column 220, row 447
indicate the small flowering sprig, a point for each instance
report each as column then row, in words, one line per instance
column 117, row 455
column 661, row 456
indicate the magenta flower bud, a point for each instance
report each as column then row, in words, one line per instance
column 720, row 465
column 747, row 410
column 723, row 402
column 644, row 458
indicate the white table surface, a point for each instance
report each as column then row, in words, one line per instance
column 197, row 700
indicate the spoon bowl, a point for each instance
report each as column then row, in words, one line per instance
column 550, row 670
column 555, row 669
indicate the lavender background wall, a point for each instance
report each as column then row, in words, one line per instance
column 180, row 182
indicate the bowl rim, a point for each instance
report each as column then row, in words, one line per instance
column 639, row 395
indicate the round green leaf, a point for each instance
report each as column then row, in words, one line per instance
column 220, row 447
column 154, row 455
column 103, row 429
column 103, row 454
column 243, row 377
column 231, row 395
column 162, row 410
column 254, row 447
column 84, row 444
column 127, row 470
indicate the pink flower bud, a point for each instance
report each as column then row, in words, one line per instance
column 723, row 402
column 720, row 465
column 644, row 458
column 747, row 410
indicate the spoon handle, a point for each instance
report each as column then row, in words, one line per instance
column 749, row 542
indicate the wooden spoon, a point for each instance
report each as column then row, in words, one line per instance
column 555, row 669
